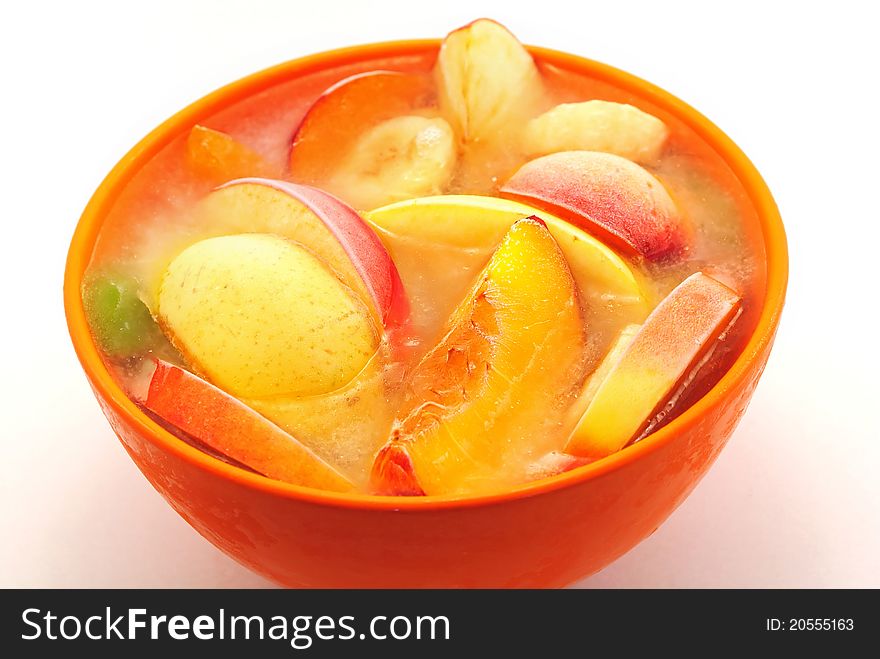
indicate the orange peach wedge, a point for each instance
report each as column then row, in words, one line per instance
column 480, row 405
column 348, row 109
column 611, row 197
column 654, row 366
column 236, row 431
column 322, row 223
column 219, row 157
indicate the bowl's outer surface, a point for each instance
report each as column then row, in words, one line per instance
column 549, row 539
column 548, row 534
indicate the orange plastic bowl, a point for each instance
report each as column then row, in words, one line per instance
column 545, row 534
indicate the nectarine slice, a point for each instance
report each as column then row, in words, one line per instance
column 219, row 157
column 345, row 111
column 486, row 399
column 325, row 225
column 234, row 430
column 611, row 197
column 655, row 366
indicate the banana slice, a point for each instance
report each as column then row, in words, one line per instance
column 487, row 81
column 401, row 158
column 615, row 128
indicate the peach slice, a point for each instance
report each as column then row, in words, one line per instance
column 487, row 81
column 219, row 157
column 597, row 125
column 228, row 426
column 655, row 367
column 611, row 197
column 470, row 227
column 348, row 109
column 485, row 400
column 262, row 317
column 324, row 224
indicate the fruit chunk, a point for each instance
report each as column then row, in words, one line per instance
column 477, row 223
column 348, row 109
column 220, row 157
column 120, row 322
column 482, row 403
column 487, row 81
column 325, row 225
column 345, row 426
column 394, row 472
column 230, row 427
column 596, row 125
column 260, row 316
column 591, row 386
column 609, row 196
column 401, row 158
column 656, row 366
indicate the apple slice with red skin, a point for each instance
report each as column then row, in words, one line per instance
column 611, row 197
column 327, row 226
column 220, row 157
column 230, row 427
column 346, row 110
column 655, row 366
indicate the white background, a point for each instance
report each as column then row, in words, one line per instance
column 794, row 500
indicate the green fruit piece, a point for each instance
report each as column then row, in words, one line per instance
column 120, row 322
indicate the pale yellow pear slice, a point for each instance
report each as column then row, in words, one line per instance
column 477, row 224
column 265, row 320
column 262, row 316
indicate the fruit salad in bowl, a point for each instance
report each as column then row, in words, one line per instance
column 433, row 277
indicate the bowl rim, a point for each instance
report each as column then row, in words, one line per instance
column 86, row 231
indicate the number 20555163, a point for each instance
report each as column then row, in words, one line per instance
column 810, row 624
